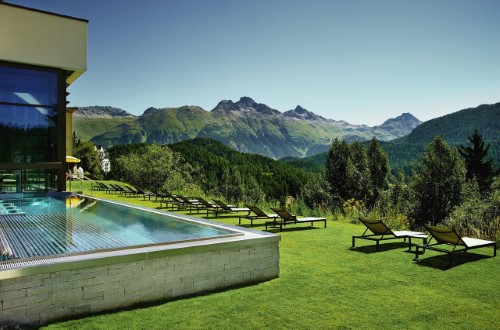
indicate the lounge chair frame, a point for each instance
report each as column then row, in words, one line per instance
column 455, row 243
column 229, row 208
column 289, row 219
column 259, row 215
column 209, row 206
column 381, row 232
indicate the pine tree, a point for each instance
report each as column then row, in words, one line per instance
column 379, row 168
column 338, row 164
column 477, row 165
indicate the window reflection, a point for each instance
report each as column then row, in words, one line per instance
column 28, row 115
column 23, row 86
column 17, row 181
column 28, row 134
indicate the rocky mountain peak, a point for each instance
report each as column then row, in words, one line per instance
column 245, row 104
column 405, row 118
column 101, row 112
column 401, row 125
column 302, row 113
column 225, row 105
column 150, row 110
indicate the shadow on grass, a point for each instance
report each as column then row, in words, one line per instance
column 441, row 261
column 290, row 229
column 383, row 247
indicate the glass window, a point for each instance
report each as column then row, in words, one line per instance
column 28, row 134
column 17, row 181
column 27, row 86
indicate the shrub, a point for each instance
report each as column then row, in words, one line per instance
column 478, row 216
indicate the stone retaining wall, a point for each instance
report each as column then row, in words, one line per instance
column 47, row 297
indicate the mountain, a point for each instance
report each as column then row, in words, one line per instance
column 401, row 125
column 245, row 126
column 455, row 128
column 101, row 112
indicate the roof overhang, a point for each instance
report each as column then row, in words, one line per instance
column 35, row 37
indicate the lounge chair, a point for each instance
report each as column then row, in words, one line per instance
column 287, row 218
column 168, row 198
column 381, row 233
column 145, row 193
column 191, row 204
column 118, row 189
column 209, row 206
column 230, row 208
column 259, row 215
column 107, row 188
column 130, row 191
column 447, row 237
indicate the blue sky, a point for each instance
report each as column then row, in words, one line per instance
column 354, row 60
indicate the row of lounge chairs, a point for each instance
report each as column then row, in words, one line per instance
column 279, row 219
column 441, row 239
column 436, row 238
column 124, row 190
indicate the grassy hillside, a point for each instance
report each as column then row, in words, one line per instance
column 88, row 128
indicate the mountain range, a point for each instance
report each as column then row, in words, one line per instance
column 245, row 126
column 455, row 128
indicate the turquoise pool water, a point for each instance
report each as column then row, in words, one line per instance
column 39, row 227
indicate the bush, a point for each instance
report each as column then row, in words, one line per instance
column 478, row 216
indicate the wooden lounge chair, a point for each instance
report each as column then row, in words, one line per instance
column 259, row 215
column 209, row 206
column 287, row 219
column 230, row 208
column 450, row 240
column 381, row 233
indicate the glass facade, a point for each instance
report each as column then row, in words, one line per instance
column 30, row 128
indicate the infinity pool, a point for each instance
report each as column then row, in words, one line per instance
column 37, row 227
column 76, row 256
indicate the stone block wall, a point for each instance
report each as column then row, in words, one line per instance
column 48, row 297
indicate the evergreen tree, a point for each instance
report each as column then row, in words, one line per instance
column 437, row 183
column 478, row 166
column 359, row 176
column 338, row 164
column 379, row 168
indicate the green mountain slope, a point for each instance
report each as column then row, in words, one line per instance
column 455, row 129
column 246, row 126
column 88, row 128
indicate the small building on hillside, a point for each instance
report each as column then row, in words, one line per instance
column 41, row 54
column 104, row 157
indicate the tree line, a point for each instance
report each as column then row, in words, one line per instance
column 446, row 184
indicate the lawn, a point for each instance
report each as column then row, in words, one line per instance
column 325, row 284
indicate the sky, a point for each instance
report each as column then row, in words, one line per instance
column 362, row 61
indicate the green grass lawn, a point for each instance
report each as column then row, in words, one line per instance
column 323, row 285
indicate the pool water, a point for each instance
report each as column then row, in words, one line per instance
column 51, row 226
